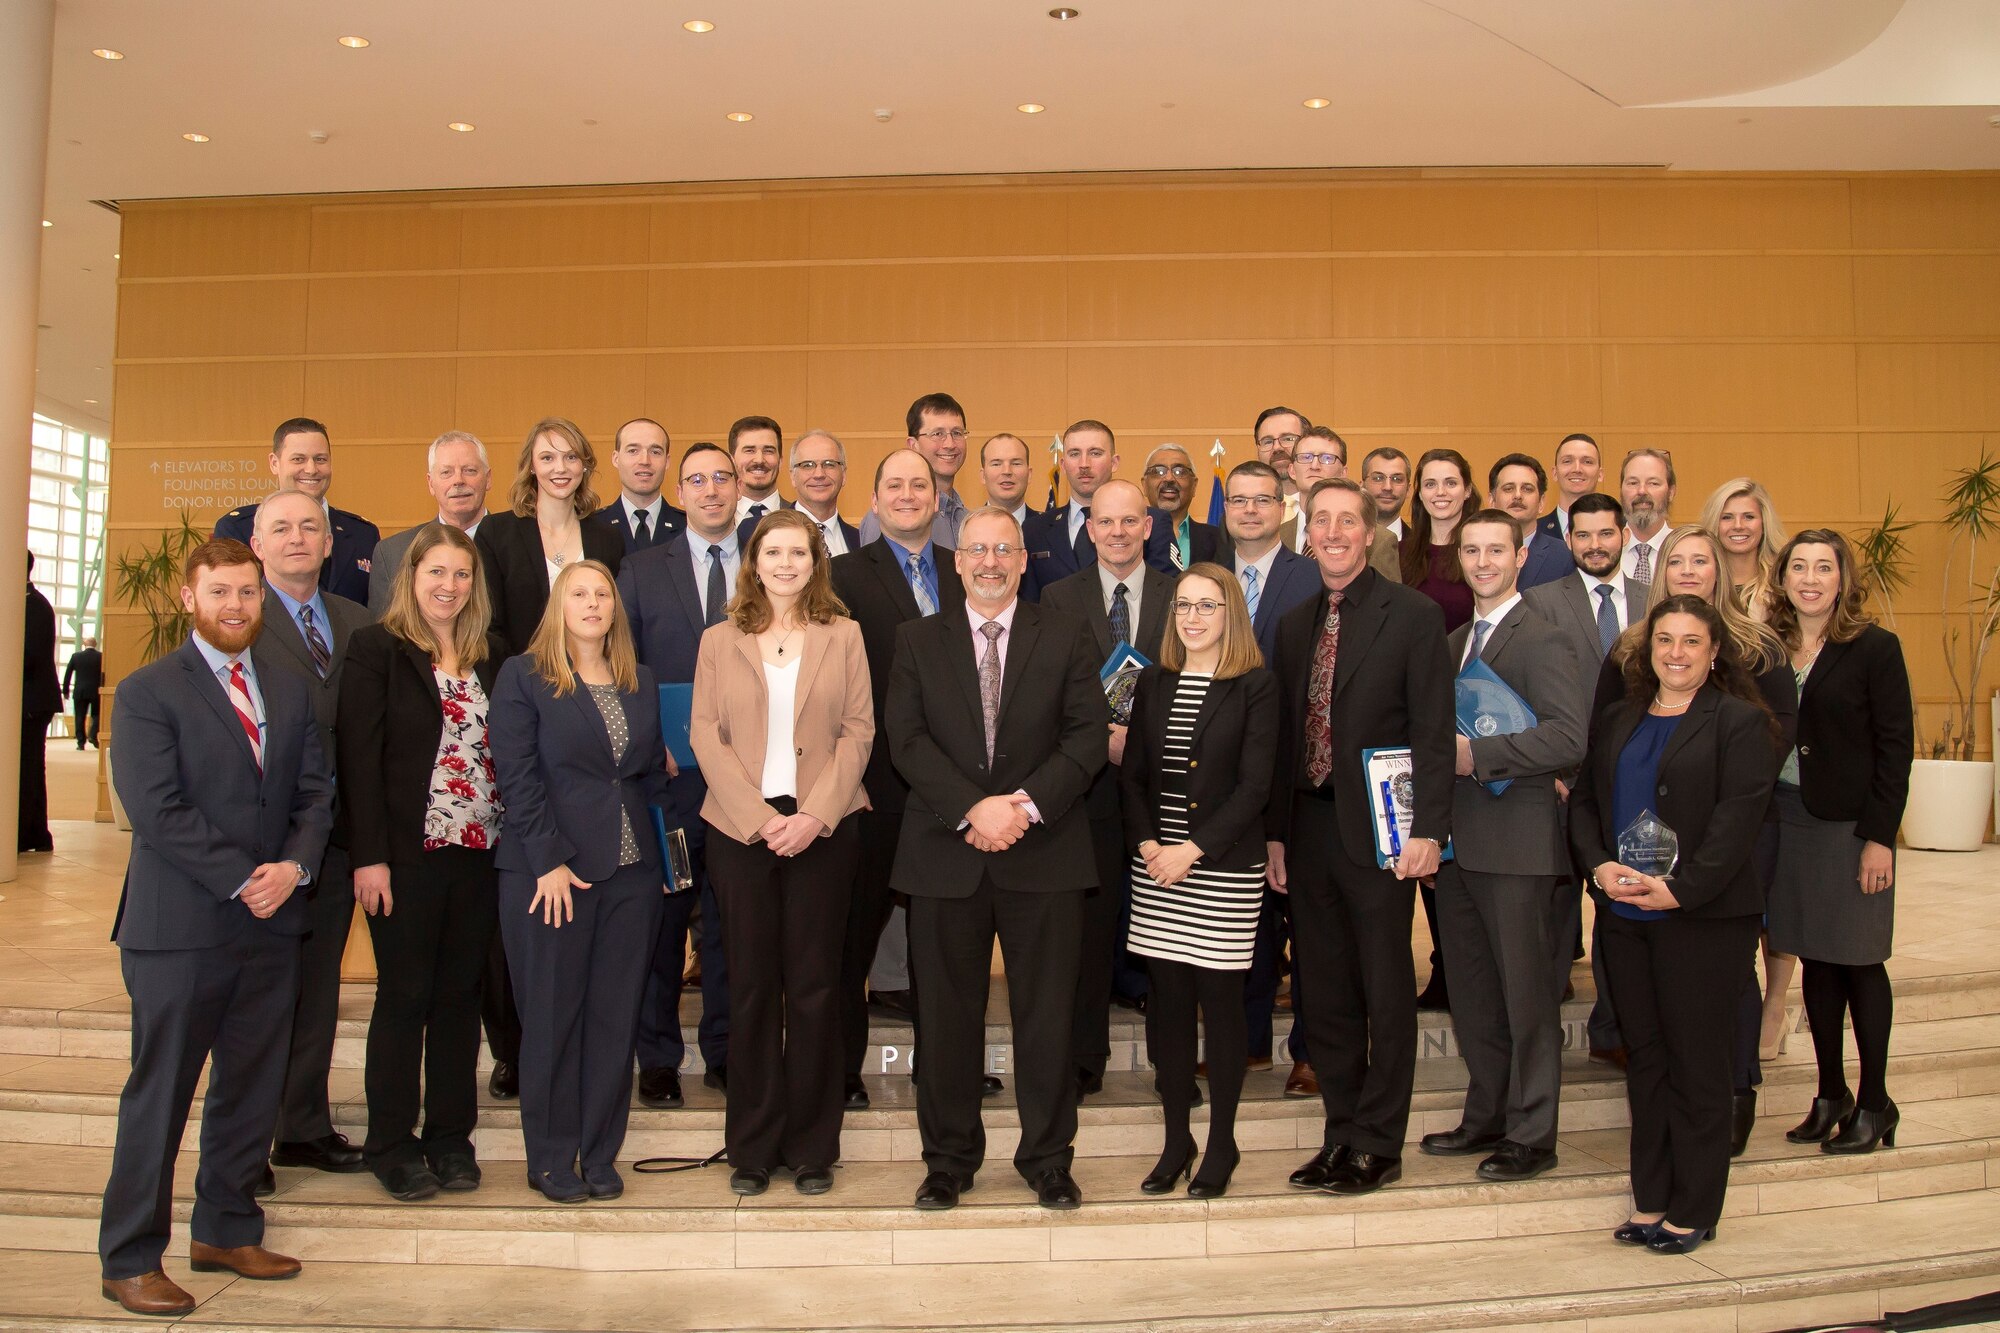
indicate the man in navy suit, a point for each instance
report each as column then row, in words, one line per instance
column 1169, row 481
column 639, row 451
column 217, row 760
column 302, row 460
column 1516, row 484
column 1275, row 579
column 1579, row 470
column 819, row 470
column 1058, row 539
column 671, row 594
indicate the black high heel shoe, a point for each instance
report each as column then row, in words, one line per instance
column 1665, row 1241
column 1743, row 1119
column 1171, row 1168
column 1865, row 1131
column 1826, row 1116
column 1213, row 1180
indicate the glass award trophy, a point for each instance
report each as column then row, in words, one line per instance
column 677, row 868
column 1649, row 846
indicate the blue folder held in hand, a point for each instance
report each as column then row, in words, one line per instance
column 1488, row 706
column 676, row 712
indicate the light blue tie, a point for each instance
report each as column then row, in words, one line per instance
column 1250, row 590
column 1480, row 629
column 925, row 605
column 1607, row 620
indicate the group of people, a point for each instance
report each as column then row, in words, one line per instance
column 539, row 745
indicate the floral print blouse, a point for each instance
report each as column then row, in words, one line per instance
column 464, row 808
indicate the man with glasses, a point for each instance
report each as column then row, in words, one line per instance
column 671, row 594
column 1322, row 454
column 819, row 470
column 1169, row 482
column 1059, row 540
column 1277, row 433
column 456, row 474
column 935, row 426
column 1005, row 468
column 756, row 451
column 1385, row 475
column 639, row 452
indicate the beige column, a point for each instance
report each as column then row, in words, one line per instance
column 27, row 37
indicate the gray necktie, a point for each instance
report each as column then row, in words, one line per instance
column 925, row 605
column 989, row 683
column 316, row 643
column 1642, row 564
column 1607, row 620
column 1251, row 592
column 1480, row 629
column 718, row 592
column 1121, row 616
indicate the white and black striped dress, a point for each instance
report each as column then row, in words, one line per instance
column 1208, row 919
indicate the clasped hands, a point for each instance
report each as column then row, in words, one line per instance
column 788, row 835
column 1626, row 885
column 268, row 887
column 997, row 823
column 1168, row 865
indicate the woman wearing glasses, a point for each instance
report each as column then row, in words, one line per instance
column 1199, row 756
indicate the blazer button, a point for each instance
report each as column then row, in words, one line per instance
column 1805, row 749
column 1194, row 763
column 1194, row 805
column 1663, row 789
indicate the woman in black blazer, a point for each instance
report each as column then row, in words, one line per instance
column 418, row 784
column 576, row 734
column 1839, row 803
column 1692, row 745
column 1199, row 755
column 548, row 528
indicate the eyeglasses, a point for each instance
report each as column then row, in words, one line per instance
column 940, row 435
column 700, row 479
column 1242, row 502
column 999, row 550
column 818, row 465
column 1270, row 441
column 1204, row 609
column 1180, row 470
column 1319, row 460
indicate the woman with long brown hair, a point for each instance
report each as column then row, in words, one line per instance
column 783, row 721
column 1445, row 494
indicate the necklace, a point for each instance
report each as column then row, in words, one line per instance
column 787, row 639
column 1680, row 707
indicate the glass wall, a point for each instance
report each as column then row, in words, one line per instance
column 66, row 527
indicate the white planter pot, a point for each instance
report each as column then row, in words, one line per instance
column 1950, row 803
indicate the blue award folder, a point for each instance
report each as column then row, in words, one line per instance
column 1120, row 677
column 1392, row 802
column 676, row 709
column 1488, row 706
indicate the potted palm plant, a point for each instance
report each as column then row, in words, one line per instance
column 148, row 581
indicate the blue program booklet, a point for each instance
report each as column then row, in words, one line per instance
column 1488, row 706
column 1120, row 677
column 1392, row 800
column 676, row 710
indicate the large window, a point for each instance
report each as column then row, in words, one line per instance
column 66, row 527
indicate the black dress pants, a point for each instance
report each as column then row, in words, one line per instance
column 34, row 788
column 1260, row 983
column 951, row 955
column 1676, row 980
column 1351, row 929
column 304, row 1114
column 868, row 912
column 784, row 925
column 1090, row 1034
column 86, row 719
column 423, row 1041
column 661, row 1044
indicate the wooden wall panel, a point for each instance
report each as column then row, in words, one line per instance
column 1807, row 474
column 1392, row 216
column 382, row 400
column 378, row 238
column 1205, row 390
column 1710, row 296
column 1777, row 386
column 1927, row 212
column 726, row 307
column 1466, row 384
column 218, row 319
column 499, row 397
column 1746, row 214
column 1200, row 299
column 934, row 303
column 1927, row 295
column 1436, row 297
column 697, row 394
column 1017, row 389
column 1182, row 219
column 598, row 308
column 204, row 401
column 761, row 228
column 206, row 240
column 926, row 224
column 1910, row 470
column 1929, row 386
column 402, row 313
column 561, row 233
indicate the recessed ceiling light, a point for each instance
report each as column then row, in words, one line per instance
column 195, row 138
column 741, row 116
column 354, row 43
column 463, row 127
column 106, row 53
column 90, row 402
column 1317, row 104
column 699, row 25
column 1065, row 14
column 47, row 223
column 114, row 257
column 1031, row 108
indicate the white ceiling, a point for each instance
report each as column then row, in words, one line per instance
column 606, row 91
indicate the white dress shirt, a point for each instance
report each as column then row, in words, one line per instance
column 829, row 528
column 772, row 504
column 1494, row 617
column 1618, row 585
column 1630, row 560
column 651, row 511
column 1135, row 584
column 732, row 558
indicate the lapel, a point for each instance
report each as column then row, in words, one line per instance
column 1361, row 619
column 1700, row 715
column 1830, row 656
column 886, row 559
column 1158, row 590
column 681, row 564
column 420, row 661
column 812, row 652
column 1615, row 736
column 1210, row 700
column 593, row 720
column 1021, row 642
column 1094, row 612
column 1576, row 603
column 1635, row 602
column 1496, row 642
column 958, row 653
column 281, row 631
column 753, row 665
column 210, row 689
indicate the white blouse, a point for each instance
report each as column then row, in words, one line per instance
column 781, row 762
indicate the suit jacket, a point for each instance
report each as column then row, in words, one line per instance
column 1520, row 831
column 1050, row 742
column 1230, row 760
column 391, row 721
column 203, row 817
column 833, row 726
column 664, row 606
column 1778, row 686
column 1205, row 542
column 748, row 527
column 1082, row 595
column 1550, row 525
column 563, row 785
column 1391, row 687
column 1384, row 553
column 1856, row 736
column 84, row 674
column 287, row 645
column 870, row 580
column 1548, row 560
column 1715, row 782
column 1568, row 606
column 41, row 694
column 517, row 573
column 672, row 523
column 1293, row 579
column 346, row 571
column 1053, row 557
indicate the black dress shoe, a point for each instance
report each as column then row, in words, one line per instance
column 559, row 1186
column 1217, row 1166
column 1316, row 1172
column 940, row 1191
column 1363, row 1173
column 660, row 1088
column 267, row 1184
column 410, row 1181
column 603, row 1182
column 1056, row 1188
column 1173, row 1164
column 1742, row 1119
column 991, row 1086
column 457, row 1171
column 1460, row 1142
column 1865, row 1131
column 1636, row 1233
column 813, row 1179
column 330, row 1153
column 1826, row 1116
column 1088, row 1082
column 1678, row 1242
column 1516, row 1161
column 505, row 1081
column 717, row 1077
column 895, row 1002
column 857, row 1093
column 749, row 1180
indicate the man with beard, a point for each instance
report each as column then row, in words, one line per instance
column 1276, row 434
column 217, row 760
column 757, row 449
column 1385, row 475
column 1169, row 482
column 456, row 474
column 1646, row 485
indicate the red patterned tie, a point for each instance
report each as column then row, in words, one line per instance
column 1319, row 697
column 246, row 712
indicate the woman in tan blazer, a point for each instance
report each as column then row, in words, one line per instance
column 782, row 722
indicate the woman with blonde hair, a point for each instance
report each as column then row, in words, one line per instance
column 576, row 738
column 544, row 528
column 1745, row 524
column 783, row 721
column 1198, row 765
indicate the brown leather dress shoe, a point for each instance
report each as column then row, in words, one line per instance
column 149, row 1293
column 251, row 1261
column 1303, row 1082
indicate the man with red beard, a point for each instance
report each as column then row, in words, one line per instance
column 218, row 762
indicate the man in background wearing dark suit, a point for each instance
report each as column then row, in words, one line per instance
column 640, row 451
column 1322, row 454
column 1170, row 482
column 217, row 761
column 456, row 474
column 1123, row 602
column 999, row 744
column 1362, row 666
column 1515, row 485
column 819, row 471
column 306, row 631
column 1579, row 468
column 1058, row 540
column 41, row 700
column 82, row 681
column 934, row 426
column 302, row 460
column 671, row 594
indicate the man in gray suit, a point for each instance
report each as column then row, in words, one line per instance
column 1500, row 898
column 218, row 762
column 306, row 632
column 457, row 474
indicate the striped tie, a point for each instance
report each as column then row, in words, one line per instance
column 322, row 655
column 246, row 713
column 926, row 605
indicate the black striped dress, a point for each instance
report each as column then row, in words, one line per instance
column 1209, row 919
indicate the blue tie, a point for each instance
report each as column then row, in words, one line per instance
column 1251, row 592
column 926, row 604
column 1480, row 629
column 1607, row 620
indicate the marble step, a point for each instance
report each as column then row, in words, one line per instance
column 1765, row 1272
column 688, row 1220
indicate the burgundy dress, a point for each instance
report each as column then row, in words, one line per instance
column 1453, row 596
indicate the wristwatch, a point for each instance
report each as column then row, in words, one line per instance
column 305, row 876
